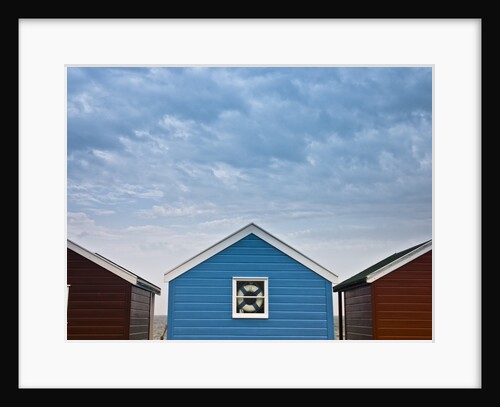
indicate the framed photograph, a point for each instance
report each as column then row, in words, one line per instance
column 167, row 151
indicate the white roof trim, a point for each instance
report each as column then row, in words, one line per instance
column 388, row 268
column 240, row 234
column 115, row 269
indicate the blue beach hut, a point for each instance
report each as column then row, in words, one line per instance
column 250, row 285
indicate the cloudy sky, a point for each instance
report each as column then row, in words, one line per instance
column 164, row 162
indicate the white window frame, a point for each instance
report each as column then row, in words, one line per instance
column 250, row 315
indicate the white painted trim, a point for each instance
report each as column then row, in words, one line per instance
column 265, row 314
column 120, row 272
column 240, row 234
column 388, row 268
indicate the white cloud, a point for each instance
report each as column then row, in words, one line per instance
column 80, row 225
column 192, row 170
column 229, row 115
column 371, row 135
column 184, row 188
column 101, row 212
column 179, row 210
column 94, row 194
column 228, row 174
column 236, row 222
column 388, row 162
column 425, row 162
column 142, row 133
column 232, row 79
column 146, row 229
column 83, row 193
column 138, row 191
column 80, row 104
column 178, row 128
column 299, row 233
column 104, row 155
column 88, row 102
column 148, row 143
column 276, row 163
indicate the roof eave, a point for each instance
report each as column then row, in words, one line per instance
column 146, row 285
column 113, row 268
column 99, row 260
column 383, row 271
column 356, row 284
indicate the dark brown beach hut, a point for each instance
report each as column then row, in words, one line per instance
column 391, row 299
column 106, row 301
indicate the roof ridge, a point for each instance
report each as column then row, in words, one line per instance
column 238, row 235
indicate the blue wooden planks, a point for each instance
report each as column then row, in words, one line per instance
column 200, row 300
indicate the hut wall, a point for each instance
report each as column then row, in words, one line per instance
column 98, row 302
column 200, row 300
column 402, row 301
column 358, row 313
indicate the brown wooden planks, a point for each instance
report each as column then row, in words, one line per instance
column 140, row 298
column 410, row 315
column 134, row 329
column 95, row 322
column 362, row 299
column 100, row 329
column 403, row 301
column 139, row 321
column 395, row 282
column 98, row 303
column 404, row 331
column 408, row 290
column 358, row 313
column 95, row 336
column 97, row 313
column 140, row 313
column 140, row 335
column 103, row 304
column 139, row 306
column 97, row 296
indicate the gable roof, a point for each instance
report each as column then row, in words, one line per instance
column 385, row 266
column 114, row 268
column 251, row 228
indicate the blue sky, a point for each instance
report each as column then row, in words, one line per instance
column 164, row 162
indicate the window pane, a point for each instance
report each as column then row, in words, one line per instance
column 250, row 297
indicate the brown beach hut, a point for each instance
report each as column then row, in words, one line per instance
column 106, row 301
column 391, row 299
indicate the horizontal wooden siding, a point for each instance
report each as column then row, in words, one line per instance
column 358, row 313
column 200, row 300
column 403, row 301
column 140, row 313
column 98, row 302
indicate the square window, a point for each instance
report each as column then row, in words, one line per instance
column 250, row 298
